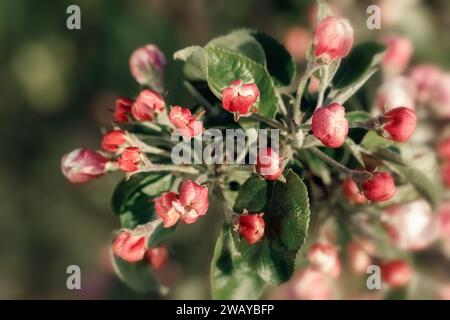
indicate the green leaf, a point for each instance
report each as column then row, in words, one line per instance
column 138, row 276
column 280, row 63
column 316, row 165
column 361, row 59
column 194, row 67
column 287, row 220
column 160, row 234
column 242, row 42
column 355, row 116
column 252, row 195
column 421, row 172
column 231, row 275
column 132, row 199
column 224, row 66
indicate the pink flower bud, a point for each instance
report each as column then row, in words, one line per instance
column 441, row 97
column 424, row 77
column 399, row 124
column 240, row 98
column 251, row 227
column 329, row 125
column 398, row 54
column 122, row 109
column 193, row 200
column 352, row 193
column 398, row 91
column 157, row 257
column 130, row 247
column 444, row 149
column 114, row 140
column 131, row 159
column 411, row 226
column 296, row 41
column 147, row 104
column 183, row 120
column 147, row 65
column 82, row 165
column 268, row 164
column 164, row 206
column 396, row 273
column 324, row 257
column 333, row 39
column 358, row 254
column 380, row 187
column 445, row 171
column 309, row 284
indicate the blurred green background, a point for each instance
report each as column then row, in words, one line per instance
column 57, row 87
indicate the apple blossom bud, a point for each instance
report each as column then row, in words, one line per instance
column 165, row 209
column 424, row 77
column 398, row 91
column 352, row 193
column 251, row 227
column 157, row 257
column 399, row 124
column 82, row 165
column 310, row 284
column 358, row 253
column 130, row 247
column 329, row 125
column 114, row 140
column 147, row 65
column 184, row 121
column 296, row 40
column 333, row 39
column 445, row 171
column 193, row 201
column 324, row 257
column 147, row 104
column 240, row 98
column 122, row 109
column 411, row 226
column 131, row 159
column 380, row 187
column 268, row 164
column 440, row 100
column 398, row 54
column 444, row 149
column 396, row 273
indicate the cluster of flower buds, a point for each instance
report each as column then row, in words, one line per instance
column 189, row 205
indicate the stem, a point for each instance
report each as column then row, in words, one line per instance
column 369, row 124
column 323, row 86
column 301, row 88
column 169, row 167
column 270, row 122
column 330, row 161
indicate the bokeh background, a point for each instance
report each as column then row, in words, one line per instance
column 57, row 87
